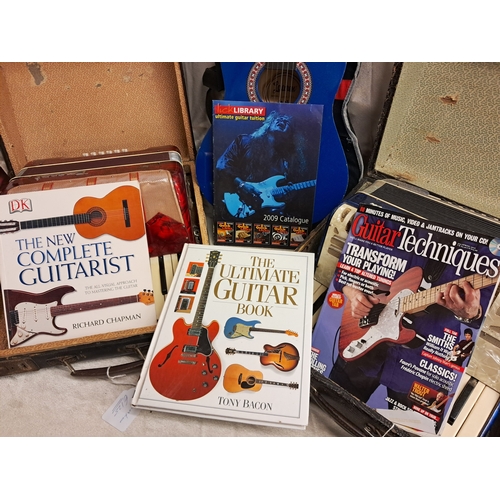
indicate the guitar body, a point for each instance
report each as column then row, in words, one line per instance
column 116, row 214
column 315, row 83
column 28, row 314
column 284, row 357
column 188, row 368
column 355, row 341
column 237, row 378
column 236, row 327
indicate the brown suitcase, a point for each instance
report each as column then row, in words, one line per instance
column 65, row 124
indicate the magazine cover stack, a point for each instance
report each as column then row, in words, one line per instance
column 403, row 312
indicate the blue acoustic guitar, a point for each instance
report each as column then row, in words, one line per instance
column 301, row 83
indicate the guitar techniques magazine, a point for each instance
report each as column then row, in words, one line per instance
column 234, row 338
column 74, row 263
column 428, row 287
column 265, row 170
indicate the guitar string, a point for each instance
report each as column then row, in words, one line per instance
column 111, row 216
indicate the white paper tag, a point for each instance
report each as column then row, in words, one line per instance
column 120, row 414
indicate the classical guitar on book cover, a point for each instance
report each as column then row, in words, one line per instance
column 118, row 214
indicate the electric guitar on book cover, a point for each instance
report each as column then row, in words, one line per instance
column 30, row 314
column 236, row 327
column 285, row 357
column 301, row 83
column 189, row 367
column 384, row 322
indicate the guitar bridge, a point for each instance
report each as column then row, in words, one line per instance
column 126, row 213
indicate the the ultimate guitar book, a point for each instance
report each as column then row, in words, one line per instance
column 265, row 172
column 69, row 251
column 234, row 337
column 403, row 312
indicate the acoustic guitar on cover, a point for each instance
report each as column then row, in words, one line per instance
column 30, row 314
column 189, row 367
column 237, row 378
column 117, row 214
column 285, row 357
column 384, row 322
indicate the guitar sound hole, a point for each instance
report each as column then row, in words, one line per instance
column 277, row 85
column 97, row 217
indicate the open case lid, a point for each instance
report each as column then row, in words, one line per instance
column 65, row 110
column 442, row 131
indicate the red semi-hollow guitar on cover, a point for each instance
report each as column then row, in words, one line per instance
column 189, row 367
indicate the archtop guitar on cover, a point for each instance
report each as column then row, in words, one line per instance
column 301, row 83
column 384, row 323
column 30, row 314
column 236, row 327
column 284, row 357
column 118, row 214
column 237, row 378
column 189, row 367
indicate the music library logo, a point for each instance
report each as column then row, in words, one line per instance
column 228, row 109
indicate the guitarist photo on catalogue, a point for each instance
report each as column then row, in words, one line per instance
column 276, row 148
column 455, row 308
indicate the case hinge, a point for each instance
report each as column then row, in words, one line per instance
column 13, row 366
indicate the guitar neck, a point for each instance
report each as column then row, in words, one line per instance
column 271, row 382
column 421, row 300
column 267, row 330
column 89, row 306
column 294, row 187
column 249, row 352
column 63, row 220
column 198, row 317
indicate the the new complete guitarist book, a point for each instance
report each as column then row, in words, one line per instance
column 234, row 338
column 403, row 312
column 74, row 263
column 265, row 171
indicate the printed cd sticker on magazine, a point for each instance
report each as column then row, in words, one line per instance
column 265, row 170
column 402, row 313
